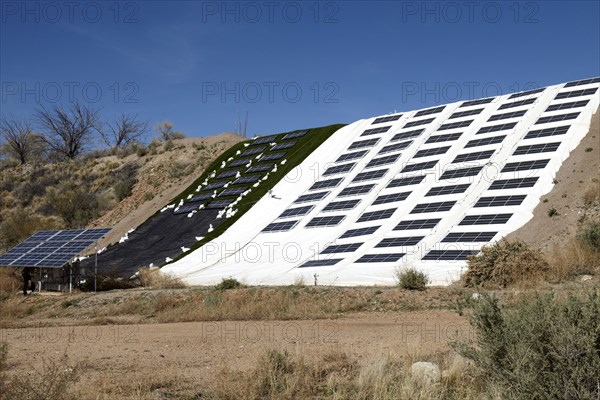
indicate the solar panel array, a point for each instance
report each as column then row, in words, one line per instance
column 51, row 249
column 427, row 188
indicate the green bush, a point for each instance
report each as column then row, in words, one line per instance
column 589, row 235
column 126, row 179
column 542, row 348
column 75, row 205
column 229, row 283
column 412, row 279
column 505, row 263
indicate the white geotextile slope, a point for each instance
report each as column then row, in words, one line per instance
column 275, row 258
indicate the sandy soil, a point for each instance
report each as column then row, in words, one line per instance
column 198, row 350
column 573, row 177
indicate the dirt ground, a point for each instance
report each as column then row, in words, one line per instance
column 198, row 350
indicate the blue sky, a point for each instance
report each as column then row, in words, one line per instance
column 289, row 65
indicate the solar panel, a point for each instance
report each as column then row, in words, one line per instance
column 395, row 147
column 419, row 166
column 388, row 118
column 227, row 174
column 401, row 241
column 469, row 237
column 325, row 221
column 296, row 134
column 363, row 144
column 525, row 165
column 215, row 185
column 476, row 102
column 417, row 123
column 374, row 131
column 273, row 156
column 377, row 258
column 514, row 114
column 260, row 168
column 280, row 226
column 430, row 111
column 284, row 145
column 253, row 150
column 233, row 191
column 486, row 141
column 486, row 219
column 311, row 197
column 247, row 179
column 416, row 224
column 496, row 128
column 455, row 125
column 582, row 82
column 537, row 148
column 264, row 140
column 449, row 255
column 367, row 176
column 341, row 205
column 460, row 173
column 219, row 204
column 51, row 249
column 341, row 248
column 339, row 169
column 557, row 130
column 355, row 190
column 433, row 207
column 376, row 215
column 360, row 232
column 296, row 212
column 513, row 183
column 407, row 135
column 241, row 161
column 527, row 93
column 376, row 162
column 351, row 156
column 451, row 189
column 201, row 197
column 321, row 263
column 461, row 114
column 479, row 155
column 567, row 106
column 329, row 183
column 391, row 198
column 575, row 93
column 556, row 118
column 413, row 180
column 187, row 208
column 500, row 201
column 432, row 152
column 519, row 103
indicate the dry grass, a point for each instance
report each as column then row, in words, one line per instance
column 9, row 280
column 572, row 259
column 153, row 278
column 591, row 195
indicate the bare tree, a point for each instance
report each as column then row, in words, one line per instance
column 166, row 132
column 19, row 140
column 67, row 132
column 125, row 130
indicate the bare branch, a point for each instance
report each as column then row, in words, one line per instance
column 18, row 137
column 125, row 130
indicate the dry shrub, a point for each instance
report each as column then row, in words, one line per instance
column 591, row 195
column 580, row 255
column 10, row 281
column 153, row 278
column 505, row 263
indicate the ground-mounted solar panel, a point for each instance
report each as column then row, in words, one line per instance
column 296, row 212
column 272, row 156
column 215, row 185
column 341, row 205
column 500, row 201
column 311, row 197
column 321, row 263
column 250, row 151
column 417, row 224
column 476, row 102
column 407, row 135
column 395, row 147
column 576, row 93
column 326, row 184
column 555, row 131
column 219, row 204
column 280, row 226
column 485, row 141
column 496, row 128
column 385, row 160
column 228, row 174
column 341, row 248
column 433, row 207
column 232, row 191
column 469, row 237
column 240, row 162
column 582, row 82
column 361, row 144
column 461, row 172
column 508, row 115
column 263, row 140
column 455, row 125
column 284, row 145
column 51, row 249
column 461, row 114
column 449, row 189
column 519, row 103
column 201, row 197
column 260, row 168
column 388, row 118
column 318, row 222
column 376, row 215
column 567, row 106
column 516, row 183
column 391, row 198
column 557, row 118
column 429, row 111
column 537, row 148
column 356, row 190
column 419, row 166
column 296, row 134
column 351, row 156
column 526, row 93
column 525, row 165
column 188, row 207
column 369, row 175
column 432, row 152
column 418, row 123
column 449, row 255
column 413, row 180
column 485, row 219
column 247, row 179
column 400, row 241
column 339, row 169
column 374, row 131
column 380, row 258
column 360, row 232
column 475, row 156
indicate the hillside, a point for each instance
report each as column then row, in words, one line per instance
column 118, row 191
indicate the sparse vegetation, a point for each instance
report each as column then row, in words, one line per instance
column 552, row 212
column 412, row 279
column 228, row 283
column 153, row 278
